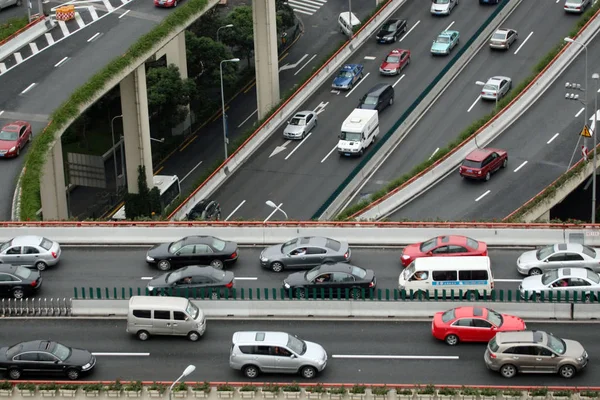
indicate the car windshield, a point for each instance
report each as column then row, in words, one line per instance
column 46, row 244
column 4, row 246
column 472, row 243
column 556, row 344
column 352, row 136
column 359, row 272
column 345, row 74
column 175, row 246
column 173, row 277
column 9, row 136
column 312, row 274
column 550, row 277
column 23, row 272
column 192, row 310
column 428, row 245
column 441, row 1
column 443, row 39
column 14, row 350
column 388, row 27
column 494, row 317
column 592, row 276
column 409, row 271
column 297, row 121
column 288, row 246
column 490, row 87
column 62, row 352
column 471, row 164
column 298, row 346
column 218, row 244
column 370, row 100
column 499, row 36
column 492, row 345
column 544, row 252
column 588, row 251
column 448, row 315
column 393, row 59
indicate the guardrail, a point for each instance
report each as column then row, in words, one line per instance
column 35, row 307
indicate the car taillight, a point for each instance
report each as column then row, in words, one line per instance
column 482, row 92
column 492, row 355
column 233, row 255
column 229, row 285
column 346, row 255
column 492, row 285
column 54, row 254
column 33, row 284
column 372, row 284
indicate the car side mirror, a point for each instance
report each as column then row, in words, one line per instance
column 293, row 356
column 429, row 253
column 553, row 355
column 546, row 260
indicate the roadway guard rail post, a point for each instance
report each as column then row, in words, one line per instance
column 35, row 307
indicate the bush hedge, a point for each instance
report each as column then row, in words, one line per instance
column 469, row 132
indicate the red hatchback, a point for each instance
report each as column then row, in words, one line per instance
column 441, row 246
column 13, row 138
column 472, row 324
column 165, row 3
column 482, row 163
column 395, row 62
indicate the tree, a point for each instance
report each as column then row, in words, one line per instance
column 145, row 203
column 168, row 97
column 204, row 56
column 241, row 35
column 208, row 24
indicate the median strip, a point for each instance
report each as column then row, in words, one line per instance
column 390, row 357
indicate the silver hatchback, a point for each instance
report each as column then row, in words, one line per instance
column 30, row 251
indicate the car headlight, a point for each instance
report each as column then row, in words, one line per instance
column 390, row 37
column 86, row 366
column 150, row 288
column 12, row 149
column 286, row 285
column 579, row 359
column 148, row 258
column 264, row 259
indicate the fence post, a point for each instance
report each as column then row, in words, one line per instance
column 74, row 294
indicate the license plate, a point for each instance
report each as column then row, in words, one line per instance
column 347, row 154
column 1, row 155
column 469, row 170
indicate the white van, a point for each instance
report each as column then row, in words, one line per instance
column 472, row 275
column 149, row 315
column 344, row 23
column 359, row 130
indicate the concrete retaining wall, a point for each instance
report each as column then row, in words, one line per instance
column 32, row 32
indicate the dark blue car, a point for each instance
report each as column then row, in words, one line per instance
column 348, row 76
column 489, row 1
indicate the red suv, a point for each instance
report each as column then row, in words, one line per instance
column 482, row 163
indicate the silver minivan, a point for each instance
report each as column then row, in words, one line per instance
column 255, row 352
column 176, row 316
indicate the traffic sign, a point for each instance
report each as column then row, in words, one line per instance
column 586, row 132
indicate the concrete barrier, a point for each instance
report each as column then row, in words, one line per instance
column 586, row 311
column 27, row 35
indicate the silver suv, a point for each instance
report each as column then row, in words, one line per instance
column 536, row 352
column 256, row 352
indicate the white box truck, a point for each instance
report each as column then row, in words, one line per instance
column 359, row 130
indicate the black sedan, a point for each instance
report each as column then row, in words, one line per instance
column 193, row 250
column 43, row 357
column 18, row 281
column 193, row 281
column 205, row 210
column 334, row 279
column 391, row 31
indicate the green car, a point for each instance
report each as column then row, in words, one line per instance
column 445, row 42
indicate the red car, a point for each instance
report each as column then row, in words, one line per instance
column 395, row 62
column 165, row 3
column 13, row 137
column 441, row 246
column 472, row 324
column 482, row 163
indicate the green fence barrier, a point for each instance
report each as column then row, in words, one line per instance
column 505, row 296
column 367, row 157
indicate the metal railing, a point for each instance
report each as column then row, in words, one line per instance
column 39, row 307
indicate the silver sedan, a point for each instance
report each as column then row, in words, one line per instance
column 567, row 281
column 557, row 256
column 503, row 38
column 496, row 87
column 300, row 125
column 304, row 253
column 30, row 251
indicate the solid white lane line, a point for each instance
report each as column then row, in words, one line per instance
column 410, row 30
column 391, row 357
column 49, row 39
column 523, row 43
column 34, row 48
column 449, row 26
column 237, row 208
column 552, row 138
column 370, row 58
column 147, row 278
column 579, row 113
column 328, row 154
column 302, row 67
column 191, row 170
column 508, row 280
column 245, row 278
column 61, row 62
column 475, row 102
column 398, row 81
column 433, row 154
column 483, row 195
column 63, row 28
column 123, row 354
column 520, row 166
column 299, row 144
column 28, row 88
column 93, row 37
column 359, row 82
column 18, row 57
column 273, row 212
column 246, row 120
column 124, row 14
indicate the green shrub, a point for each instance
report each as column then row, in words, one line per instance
column 358, row 389
column 69, row 386
column 489, row 392
column 590, row 393
column 116, row 385
column 561, row 393
column 6, row 385
column 225, row 387
column 248, row 388
column 11, row 26
column 48, row 386
column 318, row 388
column 445, row 391
column 180, row 387
column 271, row 387
column 26, row 386
column 404, row 391
column 160, row 387
column 293, row 387
column 380, row 390
column 469, row 391
column 429, row 389
column 92, row 387
column 134, row 386
column 338, row 390
column 202, row 387
column 539, row 392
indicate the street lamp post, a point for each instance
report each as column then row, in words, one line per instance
column 276, row 207
column 186, row 372
column 223, row 103
column 114, row 149
column 595, row 77
column 350, row 18
column 569, row 40
column 480, row 83
column 223, row 27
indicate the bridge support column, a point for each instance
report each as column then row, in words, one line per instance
column 544, row 218
column 52, row 187
column 136, row 127
column 265, row 55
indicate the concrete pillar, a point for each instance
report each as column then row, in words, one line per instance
column 52, row 187
column 544, row 218
column 136, row 127
column 265, row 55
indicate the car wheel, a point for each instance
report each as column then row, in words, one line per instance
column 40, row 265
column 355, row 293
column 251, row 371
column 535, row 271
column 361, row 152
column 193, row 336
column 508, row 370
column 567, row 371
column 164, row 265
column 588, row 298
column 72, row 374
column 487, row 176
column 143, row 335
column 505, row 163
column 308, row 372
column 405, row 28
column 419, row 294
column 301, row 293
column 451, row 340
column 471, row 295
column 507, row 45
column 218, row 264
column 14, row 373
column 277, row 266
column 18, row 294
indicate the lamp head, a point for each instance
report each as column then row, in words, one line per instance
column 228, row 26
column 189, row 370
column 234, row 60
column 569, row 40
column 271, row 204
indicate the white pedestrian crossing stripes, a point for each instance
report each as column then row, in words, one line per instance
column 308, row 7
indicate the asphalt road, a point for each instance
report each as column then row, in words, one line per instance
column 14, row 12
column 540, row 145
column 302, row 177
column 463, row 364
column 126, row 267
column 539, row 29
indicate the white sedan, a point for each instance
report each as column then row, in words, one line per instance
column 571, row 282
column 496, row 87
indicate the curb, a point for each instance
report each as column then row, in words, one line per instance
column 17, row 33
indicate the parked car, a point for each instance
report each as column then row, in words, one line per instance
column 482, row 163
column 348, row 76
column 442, row 7
column 300, row 125
column 472, row 324
column 8, row 3
column 440, row 246
column 564, row 281
column 18, row 281
column 330, row 279
column 535, row 262
column 193, row 250
column 304, row 253
column 195, row 281
column 205, row 210
column 14, row 136
column 391, row 31
column 445, row 42
column 536, row 352
column 43, row 357
column 495, row 88
column 30, row 251
column 503, row 38
column 395, row 62
column 577, row 6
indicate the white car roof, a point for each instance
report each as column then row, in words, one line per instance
column 572, row 272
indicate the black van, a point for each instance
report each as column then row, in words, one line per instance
column 379, row 97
